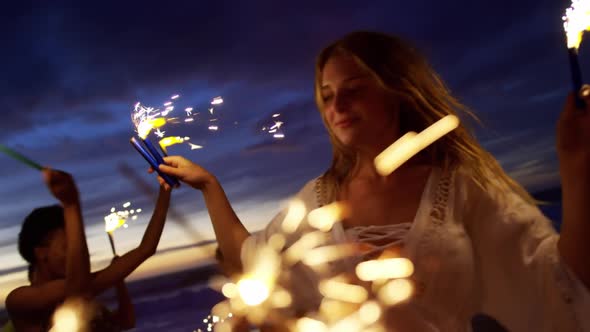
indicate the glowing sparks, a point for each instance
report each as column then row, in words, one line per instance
column 217, row 101
column 307, row 324
column 253, row 291
column 149, row 119
column 575, row 21
column 325, row 217
column 116, row 219
column 159, row 133
column 276, row 115
column 370, row 312
column 65, row 319
column 395, row 291
column 348, row 304
column 342, row 291
column 277, row 125
column 230, row 290
column 195, row 146
column 411, row 143
column 145, row 127
column 323, row 255
column 295, row 214
column 391, row 268
column 169, row 141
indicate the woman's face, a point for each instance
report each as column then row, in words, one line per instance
column 358, row 111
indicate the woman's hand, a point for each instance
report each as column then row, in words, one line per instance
column 573, row 135
column 186, row 171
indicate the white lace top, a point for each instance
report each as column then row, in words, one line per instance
column 474, row 251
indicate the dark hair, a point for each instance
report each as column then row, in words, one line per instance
column 36, row 227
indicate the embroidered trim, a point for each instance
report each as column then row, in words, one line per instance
column 320, row 191
column 441, row 198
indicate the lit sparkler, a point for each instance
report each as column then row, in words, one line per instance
column 411, row 143
column 576, row 22
column 150, row 119
column 356, row 291
column 116, row 219
column 260, row 296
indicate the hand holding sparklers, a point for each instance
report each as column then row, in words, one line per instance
column 186, row 171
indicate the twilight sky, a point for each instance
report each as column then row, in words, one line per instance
column 71, row 73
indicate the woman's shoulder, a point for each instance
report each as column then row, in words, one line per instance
column 311, row 194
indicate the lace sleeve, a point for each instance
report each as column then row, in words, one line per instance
column 523, row 281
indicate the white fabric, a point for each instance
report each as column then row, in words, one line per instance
column 474, row 251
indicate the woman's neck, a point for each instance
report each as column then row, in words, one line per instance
column 365, row 165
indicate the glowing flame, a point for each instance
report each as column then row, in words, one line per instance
column 390, row 268
column 116, row 219
column 260, row 275
column 65, row 319
column 112, row 222
column 169, row 141
column 410, row 144
column 144, row 128
column 575, row 21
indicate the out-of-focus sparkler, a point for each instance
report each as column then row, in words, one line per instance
column 354, row 298
column 575, row 22
column 411, row 143
column 116, row 219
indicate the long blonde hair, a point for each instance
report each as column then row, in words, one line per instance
column 402, row 71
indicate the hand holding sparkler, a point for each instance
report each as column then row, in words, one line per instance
column 573, row 133
column 186, row 171
column 61, row 185
column 20, row 157
column 576, row 22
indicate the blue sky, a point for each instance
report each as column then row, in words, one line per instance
column 72, row 72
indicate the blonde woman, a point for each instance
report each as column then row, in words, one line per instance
column 478, row 241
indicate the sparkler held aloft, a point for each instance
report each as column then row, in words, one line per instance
column 20, row 157
column 153, row 163
column 576, row 22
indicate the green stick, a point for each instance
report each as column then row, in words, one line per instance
column 10, row 152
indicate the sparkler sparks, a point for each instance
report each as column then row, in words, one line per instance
column 411, row 143
column 159, row 133
column 217, row 101
column 350, row 301
column 117, row 218
column 148, row 119
column 275, row 127
column 575, row 21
